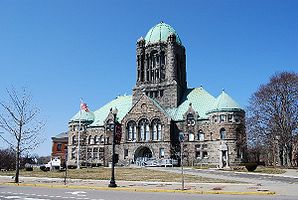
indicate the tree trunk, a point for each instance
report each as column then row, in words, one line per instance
column 17, row 163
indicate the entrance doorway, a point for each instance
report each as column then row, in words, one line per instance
column 142, row 154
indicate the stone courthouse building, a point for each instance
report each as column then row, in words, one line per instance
column 162, row 106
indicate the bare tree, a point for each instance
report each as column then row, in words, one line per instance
column 20, row 123
column 273, row 117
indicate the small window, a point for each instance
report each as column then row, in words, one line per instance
column 214, row 117
column 125, row 153
column 237, row 118
column 102, row 139
column 201, row 136
column 161, row 152
column 161, row 93
column 204, row 146
column 198, row 154
column 198, row 147
column 222, row 118
column 191, row 137
column 74, row 141
column 230, row 118
column 59, row 147
column 222, row 134
column 205, row 154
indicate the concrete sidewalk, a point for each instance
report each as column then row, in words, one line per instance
column 200, row 188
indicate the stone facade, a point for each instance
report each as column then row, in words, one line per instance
column 157, row 114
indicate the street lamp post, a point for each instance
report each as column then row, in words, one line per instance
column 112, row 181
column 181, row 139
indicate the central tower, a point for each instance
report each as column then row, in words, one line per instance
column 161, row 66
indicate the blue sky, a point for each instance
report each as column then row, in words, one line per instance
column 64, row 50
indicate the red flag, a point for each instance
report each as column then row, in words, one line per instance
column 84, row 106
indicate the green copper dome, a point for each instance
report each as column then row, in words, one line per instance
column 225, row 103
column 160, row 33
column 83, row 116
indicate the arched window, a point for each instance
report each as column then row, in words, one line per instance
column 131, row 131
column 90, row 141
column 156, row 129
column 191, row 137
column 144, row 131
column 95, row 139
column 74, row 141
column 101, row 139
column 222, row 134
column 201, row 135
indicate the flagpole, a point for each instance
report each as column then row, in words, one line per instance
column 79, row 140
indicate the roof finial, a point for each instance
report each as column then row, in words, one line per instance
column 161, row 22
column 223, row 89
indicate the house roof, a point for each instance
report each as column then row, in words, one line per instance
column 123, row 105
column 201, row 102
column 62, row 135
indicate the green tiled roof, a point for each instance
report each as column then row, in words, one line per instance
column 225, row 103
column 83, row 116
column 201, row 102
column 123, row 105
column 160, row 33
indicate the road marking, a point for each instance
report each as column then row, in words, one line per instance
column 12, row 197
column 77, row 192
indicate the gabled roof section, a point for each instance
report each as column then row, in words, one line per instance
column 200, row 100
column 225, row 103
column 159, row 107
column 123, row 105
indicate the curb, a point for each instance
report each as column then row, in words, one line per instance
column 139, row 189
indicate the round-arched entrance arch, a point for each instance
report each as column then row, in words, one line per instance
column 143, row 152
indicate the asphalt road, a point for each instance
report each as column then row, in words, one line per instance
column 40, row 193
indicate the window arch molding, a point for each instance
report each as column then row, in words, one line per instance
column 131, row 130
column 156, row 129
column 144, row 129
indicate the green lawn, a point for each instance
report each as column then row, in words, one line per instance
column 261, row 169
column 128, row 174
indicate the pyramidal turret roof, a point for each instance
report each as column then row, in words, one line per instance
column 83, row 116
column 225, row 103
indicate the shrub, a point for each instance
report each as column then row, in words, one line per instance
column 28, row 167
column 44, row 168
column 251, row 166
